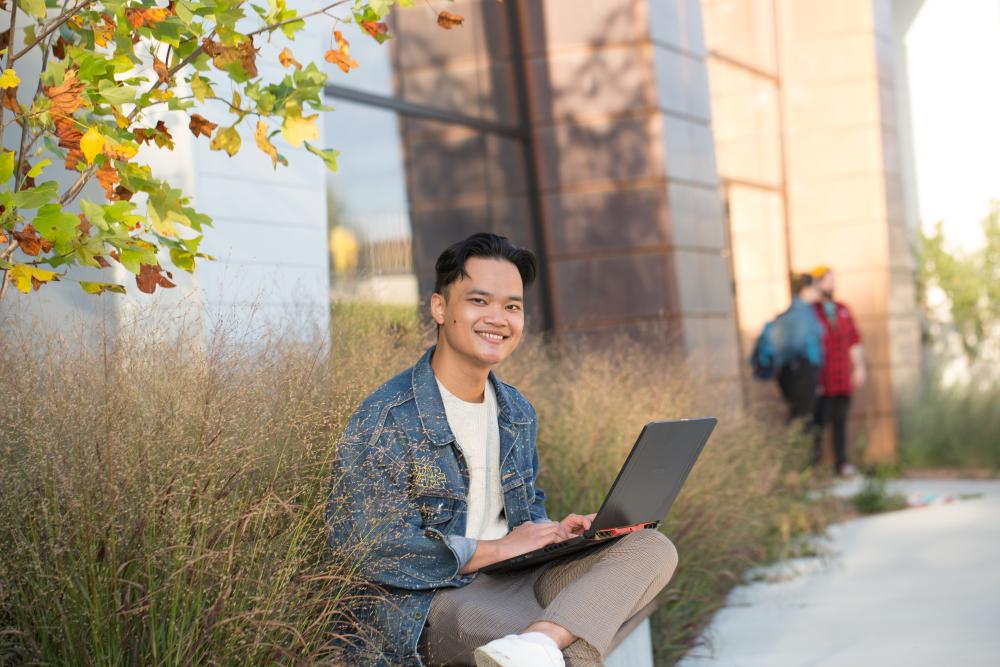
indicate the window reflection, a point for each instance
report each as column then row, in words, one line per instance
column 370, row 236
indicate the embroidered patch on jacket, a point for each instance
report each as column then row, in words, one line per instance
column 426, row 475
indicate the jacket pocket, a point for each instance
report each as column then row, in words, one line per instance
column 436, row 507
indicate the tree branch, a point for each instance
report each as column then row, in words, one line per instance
column 10, row 43
column 269, row 28
column 50, row 28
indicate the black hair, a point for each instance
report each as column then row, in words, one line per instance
column 800, row 281
column 450, row 265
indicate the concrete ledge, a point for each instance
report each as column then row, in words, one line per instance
column 633, row 645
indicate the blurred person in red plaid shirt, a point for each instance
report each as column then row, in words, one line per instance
column 842, row 372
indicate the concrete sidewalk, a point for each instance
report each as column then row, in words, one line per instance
column 916, row 587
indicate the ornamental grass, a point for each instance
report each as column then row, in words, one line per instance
column 164, row 481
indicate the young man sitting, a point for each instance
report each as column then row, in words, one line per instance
column 435, row 477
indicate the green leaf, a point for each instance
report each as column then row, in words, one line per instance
column 94, row 213
column 55, row 224
column 35, row 171
column 116, row 95
column 6, row 165
column 101, row 288
column 36, row 196
column 328, row 155
column 182, row 259
column 34, row 7
column 380, row 7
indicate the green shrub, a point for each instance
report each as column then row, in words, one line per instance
column 163, row 497
column 953, row 426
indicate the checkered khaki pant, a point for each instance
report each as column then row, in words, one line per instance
column 592, row 595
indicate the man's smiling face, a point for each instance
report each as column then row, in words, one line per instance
column 482, row 318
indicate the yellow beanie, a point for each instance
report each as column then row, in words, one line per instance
column 820, row 271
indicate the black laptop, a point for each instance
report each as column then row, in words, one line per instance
column 642, row 494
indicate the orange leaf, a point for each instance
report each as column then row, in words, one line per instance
column 201, row 125
column 161, row 70
column 10, row 100
column 341, row 56
column 287, row 59
column 447, row 20
column 30, row 242
column 243, row 53
column 108, row 177
column 148, row 17
column 65, row 98
column 150, row 277
column 69, row 138
column 375, row 28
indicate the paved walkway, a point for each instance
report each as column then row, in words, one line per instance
column 918, row 587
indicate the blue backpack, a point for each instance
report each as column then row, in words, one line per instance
column 764, row 358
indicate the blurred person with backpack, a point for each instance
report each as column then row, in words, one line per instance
column 790, row 349
column 842, row 372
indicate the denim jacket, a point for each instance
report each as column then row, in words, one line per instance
column 400, row 487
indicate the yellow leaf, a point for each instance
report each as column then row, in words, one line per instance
column 9, row 79
column 297, row 129
column 91, row 144
column 226, row 139
column 264, row 143
column 164, row 227
column 120, row 119
column 117, row 150
column 25, row 277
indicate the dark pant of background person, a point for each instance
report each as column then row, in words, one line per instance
column 798, row 380
column 832, row 410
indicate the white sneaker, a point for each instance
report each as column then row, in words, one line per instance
column 515, row 651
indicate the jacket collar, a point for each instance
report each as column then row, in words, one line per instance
column 430, row 407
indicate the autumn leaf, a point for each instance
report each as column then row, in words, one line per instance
column 160, row 67
column 65, row 98
column 264, row 143
column 91, row 144
column 159, row 135
column 201, row 88
column 69, row 138
column 26, row 277
column 341, row 56
column 59, row 48
column 377, row 29
column 227, row 139
column 200, row 125
column 109, row 178
column 30, row 242
column 150, row 277
column 287, row 59
column 447, row 20
column 121, row 120
column 149, row 17
column 297, row 129
column 10, row 100
column 243, row 54
column 9, row 79
column 100, row 288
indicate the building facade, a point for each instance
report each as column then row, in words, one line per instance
column 669, row 160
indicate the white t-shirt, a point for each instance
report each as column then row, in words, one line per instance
column 477, row 433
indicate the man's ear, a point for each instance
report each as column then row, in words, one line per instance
column 437, row 308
